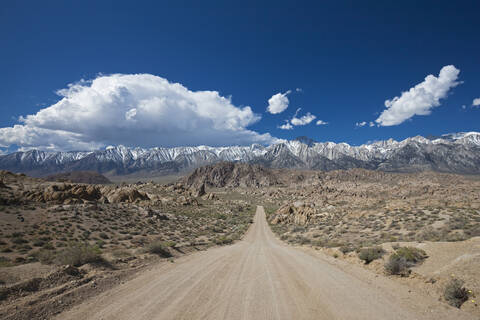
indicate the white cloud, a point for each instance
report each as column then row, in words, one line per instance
column 303, row 120
column 286, row 126
column 299, row 90
column 476, row 102
column 134, row 110
column 421, row 99
column 300, row 121
column 278, row 103
column 360, row 124
column 371, row 124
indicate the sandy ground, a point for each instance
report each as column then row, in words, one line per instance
column 260, row 278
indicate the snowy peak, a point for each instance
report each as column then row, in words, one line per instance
column 457, row 152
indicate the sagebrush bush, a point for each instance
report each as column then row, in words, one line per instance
column 455, row 293
column 222, row 240
column 397, row 265
column 411, row 254
column 370, row 254
column 77, row 254
column 45, row 256
column 159, row 248
column 403, row 258
column 346, row 248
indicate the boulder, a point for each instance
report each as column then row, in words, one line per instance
column 198, row 192
column 126, row 194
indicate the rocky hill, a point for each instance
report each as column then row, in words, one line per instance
column 89, row 177
column 457, row 153
column 228, row 174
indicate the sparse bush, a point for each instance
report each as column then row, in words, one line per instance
column 121, row 253
column 38, row 243
column 370, row 254
column 170, row 244
column 5, row 262
column 222, row 240
column 48, row 246
column 159, row 248
column 77, row 254
column 346, row 249
column 397, row 264
column 19, row 240
column 303, row 240
column 103, row 235
column 4, row 291
column 411, row 254
column 455, row 293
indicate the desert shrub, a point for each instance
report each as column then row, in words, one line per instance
column 5, row 262
column 403, row 258
column 48, row 246
column 346, row 248
column 170, row 244
column 411, row 254
column 121, row 253
column 4, row 291
column 303, row 240
column 397, row 264
column 19, row 240
column 100, row 243
column 103, row 235
column 370, row 254
column 159, row 248
column 455, row 293
column 38, row 243
column 77, row 254
column 223, row 240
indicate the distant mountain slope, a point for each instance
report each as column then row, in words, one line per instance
column 459, row 153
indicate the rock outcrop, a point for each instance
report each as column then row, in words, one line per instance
column 297, row 213
column 89, row 177
column 229, row 174
column 124, row 194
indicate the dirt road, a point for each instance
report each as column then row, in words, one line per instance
column 260, row 278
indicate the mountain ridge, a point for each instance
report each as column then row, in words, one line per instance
column 454, row 152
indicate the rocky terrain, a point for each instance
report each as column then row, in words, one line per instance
column 60, row 241
column 422, row 228
column 459, row 153
column 63, row 241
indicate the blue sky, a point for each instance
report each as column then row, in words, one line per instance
column 347, row 57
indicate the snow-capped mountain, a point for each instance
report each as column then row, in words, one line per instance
column 458, row 152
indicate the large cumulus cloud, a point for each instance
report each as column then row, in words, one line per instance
column 134, row 110
column 421, row 99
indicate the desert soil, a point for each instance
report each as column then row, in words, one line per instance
column 260, row 278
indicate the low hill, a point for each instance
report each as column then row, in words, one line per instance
column 229, row 174
column 89, row 177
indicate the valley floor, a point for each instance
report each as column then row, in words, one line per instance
column 260, row 277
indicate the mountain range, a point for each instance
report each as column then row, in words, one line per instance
column 459, row 153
